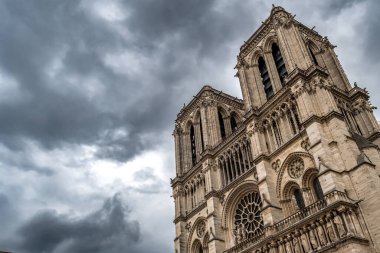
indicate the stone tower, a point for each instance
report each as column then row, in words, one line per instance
column 293, row 167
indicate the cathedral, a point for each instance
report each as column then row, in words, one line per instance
column 292, row 167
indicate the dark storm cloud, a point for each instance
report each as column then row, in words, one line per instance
column 58, row 111
column 336, row 6
column 106, row 230
column 371, row 27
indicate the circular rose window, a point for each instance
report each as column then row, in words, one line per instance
column 296, row 168
column 248, row 221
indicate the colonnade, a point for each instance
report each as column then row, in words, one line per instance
column 280, row 126
column 195, row 191
column 235, row 161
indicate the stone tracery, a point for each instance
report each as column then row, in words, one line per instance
column 296, row 168
column 248, row 221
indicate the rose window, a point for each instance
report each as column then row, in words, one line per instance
column 296, row 168
column 248, row 221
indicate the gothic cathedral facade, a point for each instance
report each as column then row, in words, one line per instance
column 292, row 167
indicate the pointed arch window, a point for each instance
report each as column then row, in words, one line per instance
column 200, row 127
column 277, row 133
column 279, row 61
column 299, row 199
column 265, row 78
column 221, row 125
column 317, row 189
column 313, row 57
column 193, row 146
column 233, row 123
column 296, row 117
column 291, row 122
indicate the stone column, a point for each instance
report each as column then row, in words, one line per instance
column 272, row 69
column 198, row 141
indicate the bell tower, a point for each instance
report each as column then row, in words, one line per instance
column 293, row 167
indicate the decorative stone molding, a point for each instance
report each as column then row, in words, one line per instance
column 285, row 165
column 283, row 19
column 319, row 228
column 201, row 228
column 188, row 226
column 305, row 144
column 296, row 167
column 241, row 62
column 276, row 165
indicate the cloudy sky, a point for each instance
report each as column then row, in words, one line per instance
column 89, row 91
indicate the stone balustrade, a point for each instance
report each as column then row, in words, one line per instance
column 318, row 227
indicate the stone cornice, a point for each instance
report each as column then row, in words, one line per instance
column 232, row 139
column 237, row 181
column 310, row 32
column 322, row 119
column 188, row 174
column 374, row 136
column 357, row 92
column 190, row 214
column 216, row 95
column 280, row 149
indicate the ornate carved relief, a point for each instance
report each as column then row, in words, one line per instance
column 296, row 168
column 283, row 19
column 201, row 229
column 305, row 144
column 188, row 226
column 276, row 165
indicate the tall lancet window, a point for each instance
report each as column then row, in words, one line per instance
column 221, row 125
column 265, row 78
column 317, row 189
column 200, row 127
column 193, row 146
column 234, row 125
column 299, row 199
column 313, row 57
column 279, row 61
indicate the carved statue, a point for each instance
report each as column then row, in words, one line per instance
column 305, row 243
column 321, row 235
column 339, row 225
column 201, row 228
column 297, row 247
column 280, row 247
column 330, row 231
column 288, row 247
column 313, row 240
column 239, row 233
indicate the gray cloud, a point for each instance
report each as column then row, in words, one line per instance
column 106, row 230
column 75, row 74
column 172, row 37
column 371, row 26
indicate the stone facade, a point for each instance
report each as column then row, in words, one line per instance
column 293, row 167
